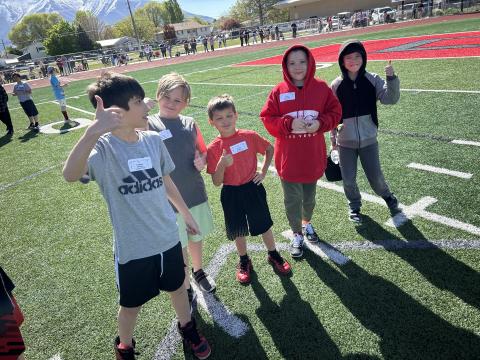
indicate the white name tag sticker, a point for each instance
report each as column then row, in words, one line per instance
column 241, row 146
column 139, row 164
column 287, row 96
column 165, row 134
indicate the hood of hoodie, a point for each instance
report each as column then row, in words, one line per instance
column 348, row 47
column 311, row 67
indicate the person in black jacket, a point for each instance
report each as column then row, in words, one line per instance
column 4, row 113
column 11, row 317
column 356, row 136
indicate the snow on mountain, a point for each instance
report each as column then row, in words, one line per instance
column 109, row 11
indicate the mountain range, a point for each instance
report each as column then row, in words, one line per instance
column 108, row 11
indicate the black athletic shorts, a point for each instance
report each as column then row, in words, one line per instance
column 141, row 280
column 245, row 210
column 29, row 108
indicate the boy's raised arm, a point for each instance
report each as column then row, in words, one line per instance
column 105, row 121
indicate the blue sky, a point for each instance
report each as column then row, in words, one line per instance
column 212, row 8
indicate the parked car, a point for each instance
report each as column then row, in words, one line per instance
column 383, row 15
column 412, row 11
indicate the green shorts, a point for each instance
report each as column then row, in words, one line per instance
column 203, row 216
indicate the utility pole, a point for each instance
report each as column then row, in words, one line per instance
column 134, row 26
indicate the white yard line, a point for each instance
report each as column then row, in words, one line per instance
column 466, row 142
column 439, row 170
column 405, row 90
column 29, row 177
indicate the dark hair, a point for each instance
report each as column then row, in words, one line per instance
column 219, row 103
column 16, row 74
column 115, row 90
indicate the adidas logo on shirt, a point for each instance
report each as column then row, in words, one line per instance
column 141, row 181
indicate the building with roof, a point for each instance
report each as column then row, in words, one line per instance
column 187, row 30
column 122, row 43
column 304, row 9
column 35, row 50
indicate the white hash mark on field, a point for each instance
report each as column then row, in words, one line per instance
column 56, row 357
column 49, row 129
column 466, row 142
column 438, row 170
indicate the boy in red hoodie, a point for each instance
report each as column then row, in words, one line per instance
column 297, row 113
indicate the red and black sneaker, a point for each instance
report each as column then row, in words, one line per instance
column 193, row 341
column 124, row 354
column 243, row 272
column 280, row 265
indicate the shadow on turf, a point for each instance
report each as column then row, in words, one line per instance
column 293, row 325
column 406, row 329
column 29, row 135
column 441, row 269
column 5, row 139
column 225, row 347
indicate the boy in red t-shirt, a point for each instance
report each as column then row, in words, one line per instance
column 232, row 161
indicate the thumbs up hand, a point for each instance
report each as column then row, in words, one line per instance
column 199, row 160
column 226, row 159
column 107, row 120
column 389, row 72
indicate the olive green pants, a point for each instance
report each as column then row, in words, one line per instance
column 299, row 200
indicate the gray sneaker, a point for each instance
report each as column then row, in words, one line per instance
column 296, row 246
column 309, row 233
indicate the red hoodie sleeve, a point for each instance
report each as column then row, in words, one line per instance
column 332, row 113
column 277, row 125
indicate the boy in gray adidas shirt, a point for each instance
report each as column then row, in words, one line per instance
column 132, row 170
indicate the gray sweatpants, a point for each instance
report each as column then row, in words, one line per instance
column 299, row 200
column 371, row 165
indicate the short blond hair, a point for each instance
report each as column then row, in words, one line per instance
column 219, row 103
column 170, row 82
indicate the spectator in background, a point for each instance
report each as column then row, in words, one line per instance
column 261, row 34
column 185, row 46
column 24, row 93
column 85, row 63
column 294, row 30
column 219, row 38
column 4, row 113
column 59, row 63
column 277, row 32
column 205, row 44
column 211, row 41
column 242, row 36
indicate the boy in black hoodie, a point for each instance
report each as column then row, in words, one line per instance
column 356, row 135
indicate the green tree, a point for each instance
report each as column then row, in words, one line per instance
column 174, row 11
column 92, row 26
column 155, row 12
column 146, row 30
column 61, row 39
column 33, row 27
column 84, row 42
column 254, row 10
column 108, row 32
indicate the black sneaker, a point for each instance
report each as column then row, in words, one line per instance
column 392, row 203
column 31, row 126
column 10, row 132
column 192, row 299
column 203, row 281
column 309, row 233
column 296, row 246
column 193, row 341
column 124, row 354
column 355, row 216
